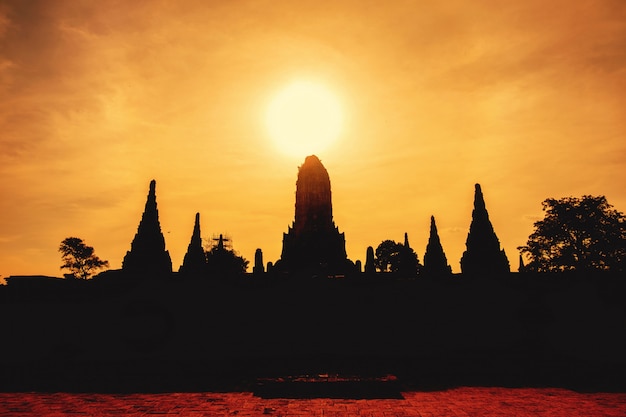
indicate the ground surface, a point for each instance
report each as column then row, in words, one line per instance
column 455, row 402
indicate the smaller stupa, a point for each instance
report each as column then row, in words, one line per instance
column 194, row 262
column 435, row 261
column 147, row 255
column 483, row 255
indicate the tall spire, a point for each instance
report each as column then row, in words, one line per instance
column 406, row 240
column 522, row 267
column 194, row 262
column 435, row 261
column 147, row 255
column 313, row 243
column 483, row 254
column 314, row 209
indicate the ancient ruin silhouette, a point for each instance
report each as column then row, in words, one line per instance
column 483, row 254
column 194, row 262
column 370, row 266
column 435, row 261
column 258, row 262
column 521, row 267
column 409, row 261
column 147, row 256
column 522, row 329
column 313, row 242
column 223, row 262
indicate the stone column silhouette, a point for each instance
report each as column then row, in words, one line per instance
column 147, row 255
column 483, row 254
column 370, row 267
column 258, row 262
column 313, row 243
column 435, row 261
column 194, row 262
column 522, row 267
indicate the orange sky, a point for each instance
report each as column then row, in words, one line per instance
column 98, row 98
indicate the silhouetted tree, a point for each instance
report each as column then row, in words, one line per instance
column 579, row 234
column 80, row 258
column 395, row 257
column 225, row 262
column 386, row 254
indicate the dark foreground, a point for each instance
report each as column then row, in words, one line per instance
column 169, row 335
column 455, row 402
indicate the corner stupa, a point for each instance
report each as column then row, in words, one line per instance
column 194, row 262
column 435, row 261
column 483, row 254
column 147, row 255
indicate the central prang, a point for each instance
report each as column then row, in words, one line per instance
column 313, row 243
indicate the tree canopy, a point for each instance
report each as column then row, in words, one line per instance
column 79, row 258
column 225, row 262
column 577, row 234
column 395, row 257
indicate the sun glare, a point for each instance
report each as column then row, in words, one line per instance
column 304, row 118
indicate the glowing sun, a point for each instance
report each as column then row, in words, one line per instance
column 304, row 118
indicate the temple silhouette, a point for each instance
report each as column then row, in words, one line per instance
column 435, row 261
column 483, row 254
column 147, row 254
column 313, row 243
column 147, row 327
column 195, row 261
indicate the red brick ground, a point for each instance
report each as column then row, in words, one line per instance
column 456, row 402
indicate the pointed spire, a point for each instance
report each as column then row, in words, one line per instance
column 435, row 261
column 406, row 240
column 483, row 254
column 194, row 262
column 195, row 236
column 147, row 255
column 220, row 244
column 152, row 192
column 522, row 267
column 479, row 200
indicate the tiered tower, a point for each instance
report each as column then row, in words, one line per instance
column 435, row 261
column 194, row 262
column 483, row 254
column 147, row 255
column 313, row 242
